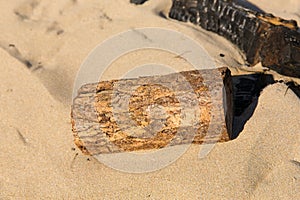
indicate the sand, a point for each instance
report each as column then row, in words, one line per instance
column 37, row 159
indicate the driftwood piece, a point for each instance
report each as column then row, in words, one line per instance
column 262, row 37
column 153, row 112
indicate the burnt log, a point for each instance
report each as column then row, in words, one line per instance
column 262, row 37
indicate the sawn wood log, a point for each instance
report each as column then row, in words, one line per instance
column 153, row 112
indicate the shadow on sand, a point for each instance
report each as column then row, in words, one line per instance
column 246, row 91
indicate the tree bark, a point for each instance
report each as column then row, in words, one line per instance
column 153, row 112
column 262, row 37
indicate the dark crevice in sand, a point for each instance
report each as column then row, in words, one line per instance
column 12, row 50
column 294, row 87
column 25, row 11
column 162, row 14
column 138, row 2
column 139, row 33
column 22, row 137
column 295, row 162
column 55, row 27
column 21, row 16
column 162, row 10
column 73, row 160
column 104, row 16
column 54, row 81
column 246, row 92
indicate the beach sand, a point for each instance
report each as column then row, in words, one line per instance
column 39, row 159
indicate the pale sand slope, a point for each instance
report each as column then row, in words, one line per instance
column 262, row 163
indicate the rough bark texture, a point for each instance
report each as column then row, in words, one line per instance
column 262, row 37
column 153, row 112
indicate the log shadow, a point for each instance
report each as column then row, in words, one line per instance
column 249, row 5
column 138, row 2
column 295, row 88
column 246, row 92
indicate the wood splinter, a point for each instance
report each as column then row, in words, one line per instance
column 153, row 112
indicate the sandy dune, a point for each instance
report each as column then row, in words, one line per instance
column 53, row 38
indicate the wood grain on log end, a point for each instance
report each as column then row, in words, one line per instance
column 153, row 112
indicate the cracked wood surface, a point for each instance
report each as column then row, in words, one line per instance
column 262, row 37
column 152, row 112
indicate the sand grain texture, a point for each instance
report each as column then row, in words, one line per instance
column 36, row 158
